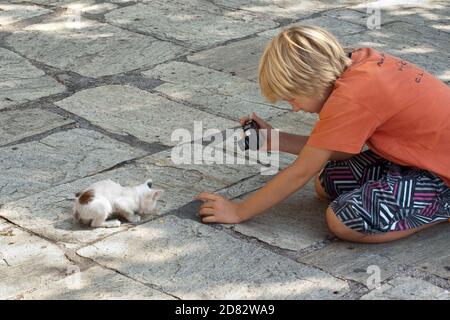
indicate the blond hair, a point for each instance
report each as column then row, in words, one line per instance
column 301, row 61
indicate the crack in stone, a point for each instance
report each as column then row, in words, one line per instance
column 47, row 145
column 33, row 233
column 37, row 137
column 165, row 38
column 20, row 25
column 131, row 140
column 202, row 175
column 417, row 273
column 6, row 262
column 191, row 105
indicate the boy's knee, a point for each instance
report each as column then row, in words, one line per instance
column 333, row 222
column 319, row 189
column 339, row 229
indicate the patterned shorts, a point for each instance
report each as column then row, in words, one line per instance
column 372, row 195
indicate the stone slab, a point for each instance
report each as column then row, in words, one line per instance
column 12, row 13
column 406, row 288
column 201, row 176
column 351, row 262
column 20, row 81
column 90, row 48
column 423, row 47
column 426, row 250
column 239, row 58
column 244, row 186
column 87, row 6
column 130, row 111
column 429, row 252
column 216, row 92
column 294, row 224
column 54, row 2
column 195, row 23
column 61, row 157
column 75, row 6
column 300, row 123
column 430, row 14
column 19, row 124
column 166, row 253
column 293, row 9
column 96, row 283
column 27, row 261
column 49, row 213
column 242, row 57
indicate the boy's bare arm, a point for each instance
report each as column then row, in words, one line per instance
column 291, row 143
column 307, row 165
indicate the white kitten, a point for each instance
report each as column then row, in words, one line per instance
column 106, row 198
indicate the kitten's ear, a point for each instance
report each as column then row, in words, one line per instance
column 157, row 193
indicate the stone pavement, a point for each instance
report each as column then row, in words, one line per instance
column 93, row 89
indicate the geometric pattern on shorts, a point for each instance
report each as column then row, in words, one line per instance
column 374, row 195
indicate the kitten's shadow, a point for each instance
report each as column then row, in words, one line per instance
column 70, row 224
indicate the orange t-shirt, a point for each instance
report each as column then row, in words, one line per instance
column 400, row 111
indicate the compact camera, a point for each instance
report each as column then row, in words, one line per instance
column 251, row 136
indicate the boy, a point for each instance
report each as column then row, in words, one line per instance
column 399, row 186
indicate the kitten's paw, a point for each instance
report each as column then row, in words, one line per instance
column 135, row 218
column 113, row 224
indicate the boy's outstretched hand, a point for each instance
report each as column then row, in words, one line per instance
column 217, row 209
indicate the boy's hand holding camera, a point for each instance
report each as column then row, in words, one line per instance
column 262, row 125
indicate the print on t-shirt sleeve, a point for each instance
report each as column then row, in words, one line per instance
column 343, row 126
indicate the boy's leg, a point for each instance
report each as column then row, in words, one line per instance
column 319, row 189
column 403, row 202
column 340, row 230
